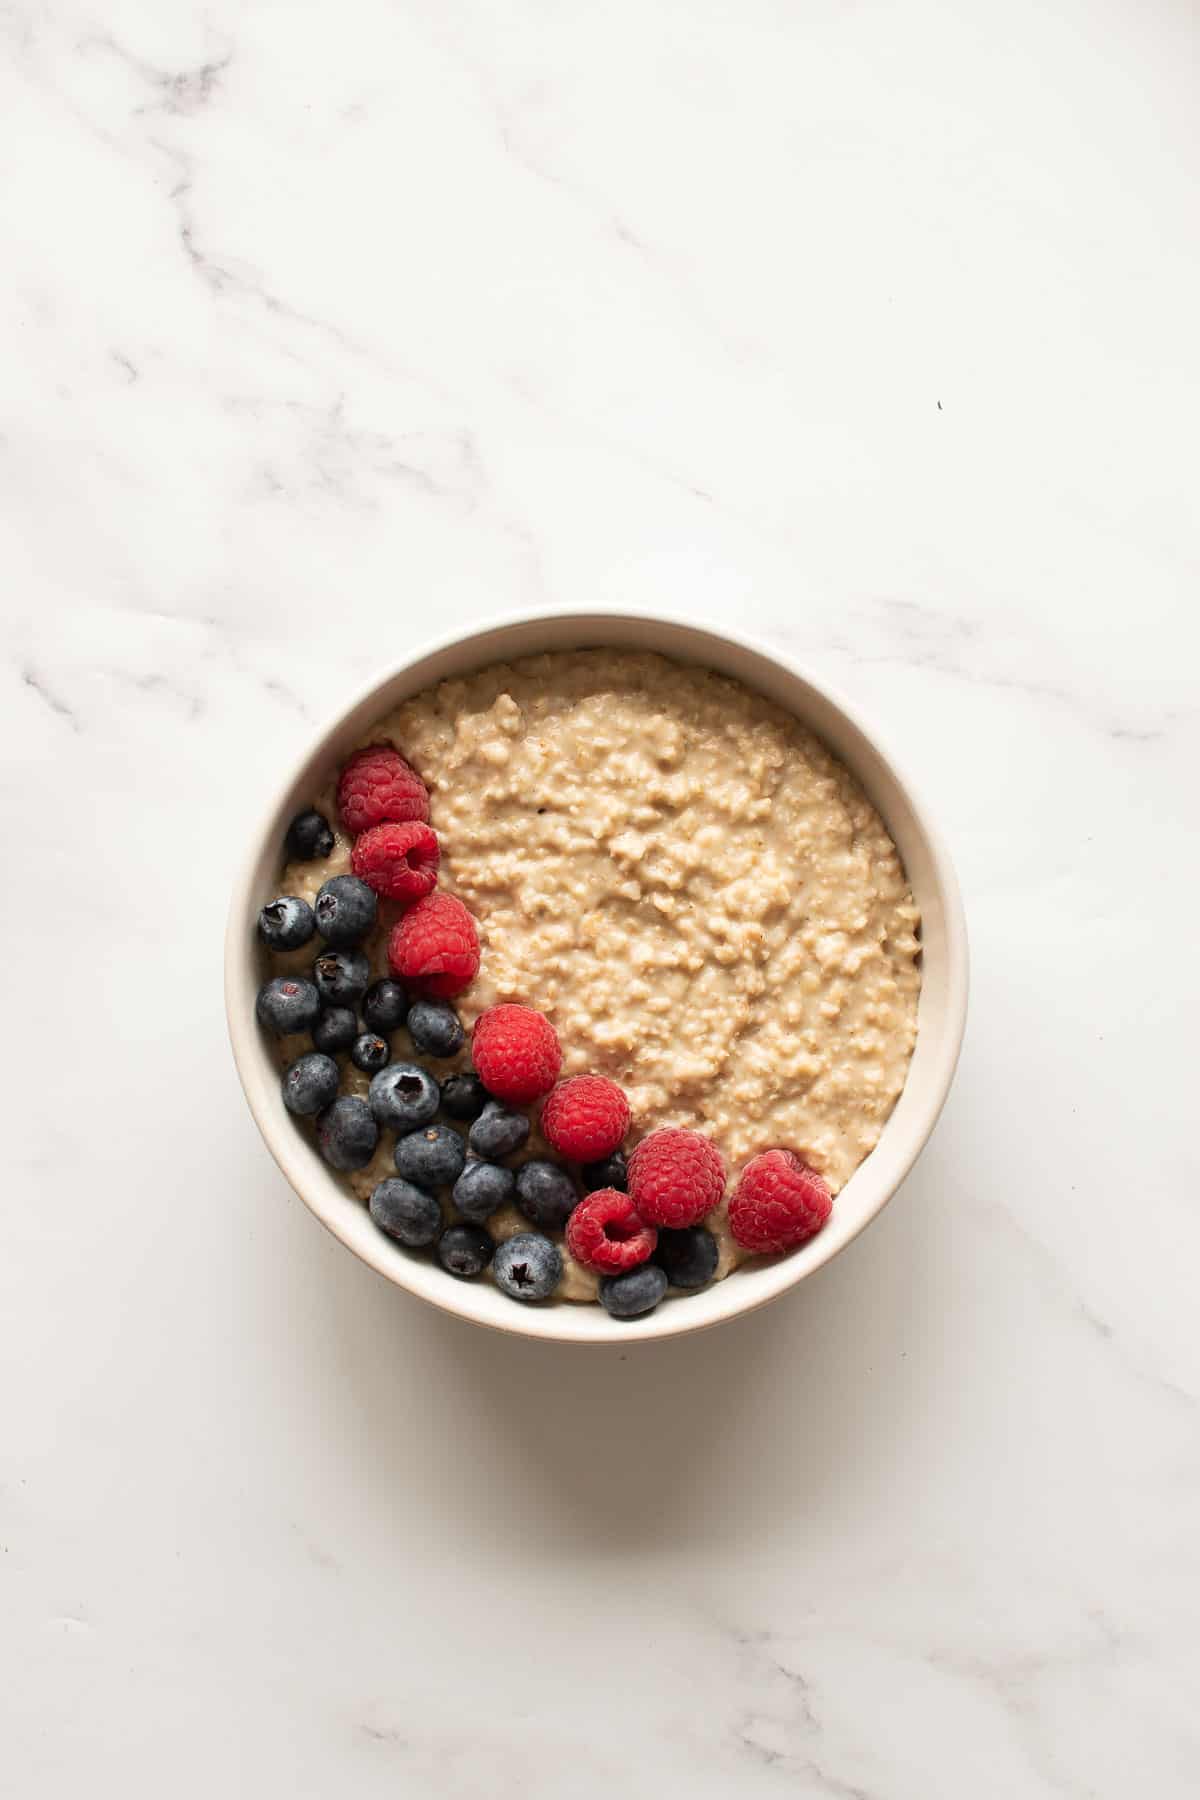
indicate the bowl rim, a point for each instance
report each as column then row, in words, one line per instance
column 559, row 1324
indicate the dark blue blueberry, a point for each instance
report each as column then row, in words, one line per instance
column 498, row 1131
column 370, row 1053
column 335, row 1030
column 546, row 1194
column 286, row 923
column 347, row 1134
column 384, row 1006
column 433, row 1156
column 308, row 836
column 527, row 1266
column 464, row 1096
column 310, row 1084
column 405, row 1212
column 345, row 910
column 638, row 1291
column 435, row 1027
column 481, row 1189
column 403, row 1096
column 287, row 1003
column 464, row 1250
column 341, row 977
column 688, row 1257
column 607, row 1174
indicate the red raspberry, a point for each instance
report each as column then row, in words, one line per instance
column 516, row 1053
column 605, row 1233
column 778, row 1203
column 585, row 1118
column 377, row 784
column 435, row 947
column 399, row 861
column 675, row 1177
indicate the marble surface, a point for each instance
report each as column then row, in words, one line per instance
column 872, row 329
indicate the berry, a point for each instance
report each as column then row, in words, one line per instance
column 405, row 1212
column 688, row 1257
column 345, row 910
column 675, row 1177
column 610, row 1173
column 370, row 1053
column 341, row 976
column 779, row 1202
column 286, row 923
column 463, row 1096
column 310, row 1084
column 347, row 1134
column 403, row 1096
column 464, row 1250
column 435, row 946
column 375, row 785
column 497, row 1131
column 287, row 1003
column 516, row 1052
column 527, row 1266
column 308, row 837
column 605, row 1233
column 545, row 1194
column 432, row 1157
column 435, row 1027
column 385, row 1006
column 481, row 1189
column 398, row 861
column 335, row 1030
column 585, row 1118
column 628, row 1296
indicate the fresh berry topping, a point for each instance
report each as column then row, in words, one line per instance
column 435, row 1027
column 545, row 1194
column 435, row 946
column 585, row 1118
column 481, row 1189
column 345, row 910
column 286, row 1004
column 286, row 923
column 405, row 1212
column 433, row 1157
column 675, row 1177
column 347, row 1134
column 628, row 1296
column 341, row 976
column 778, row 1203
column 378, row 785
column 399, row 861
column 335, row 1030
column 385, row 1006
column 688, row 1257
column 310, row 1084
column 527, row 1266
column 611, row 1173
column 605, row 1233
column 370, row 1053
column 498, row 1131
column 464, row 1250
column 403, row 1096
column 516, row 1052
column 308, row 836
column 463, row 1096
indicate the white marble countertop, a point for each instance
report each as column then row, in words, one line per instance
column 872, row 329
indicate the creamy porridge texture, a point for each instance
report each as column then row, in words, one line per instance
column 692, row 889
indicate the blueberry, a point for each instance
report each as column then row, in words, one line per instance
column 384, row 1007
column 464, row 1096
column 347, row 1134
column 435, row 1027
column 498, row 1131
column 688, row 1257
column 286, row 923
column 607, row 1174
column 310, row 1084
column 405, row 1212
column 464, row 1250
column 335, row 1030
column 433, row 1156
column 637, row 1291
column 481, row 1189
column 287, row 1003
column 403, row 1096
column 345, row 910
column 546, row 1194
column 370, row 1053
column 308, row 836
column 341, row 976
column 527, row 1266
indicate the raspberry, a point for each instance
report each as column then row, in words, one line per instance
column 398, row 861
column 675, row 1177
column 778, row 1203
column 516, row 1053
column 585, row 1118
column 605, row 1233
column 435, row 946
column 377, row 784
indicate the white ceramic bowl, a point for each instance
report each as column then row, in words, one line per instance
column 943, row 992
